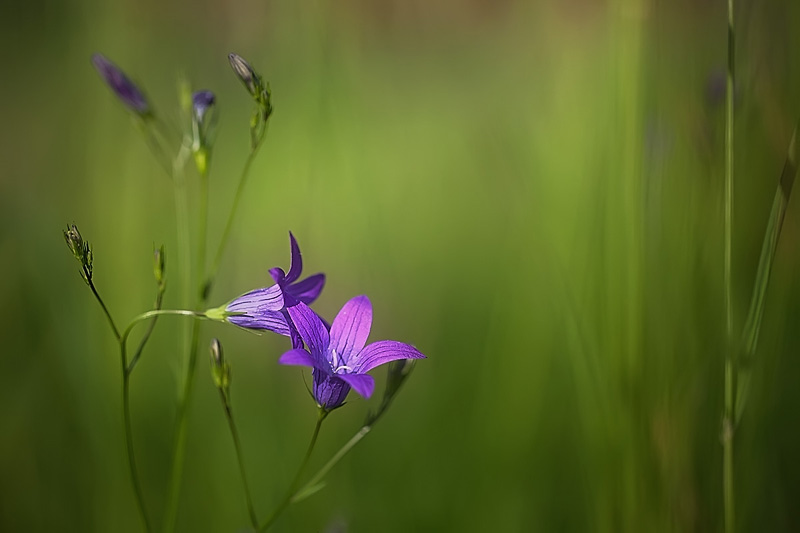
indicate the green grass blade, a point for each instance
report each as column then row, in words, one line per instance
column 752, row 326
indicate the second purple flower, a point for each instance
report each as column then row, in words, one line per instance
column 266, row 308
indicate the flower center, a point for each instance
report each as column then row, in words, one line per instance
column 335, row 363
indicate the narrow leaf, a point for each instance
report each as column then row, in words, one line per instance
column 752, row 326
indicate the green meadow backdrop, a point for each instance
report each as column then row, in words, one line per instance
column 530, row 192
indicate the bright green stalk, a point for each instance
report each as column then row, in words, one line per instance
column 239, row 457
column 287, row 499
column 728, row 423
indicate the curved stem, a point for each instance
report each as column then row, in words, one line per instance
column 150, row 328
column 105, row 309
column 240, row 458
column 155, row 313
column 355, row 439
column 231, row 215
column 126, row 413
column 287, row 499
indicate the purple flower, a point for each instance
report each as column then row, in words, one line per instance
column 124, row 88
column 202, row 101
column 266, row 308
column 339, row 358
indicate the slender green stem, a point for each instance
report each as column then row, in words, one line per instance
column 189, row 333
column 105, row 309
column 150, row 328
column 179, row 446
column 126, row 412
column 287, row 499
column 240, row 458
column 155, row 313
column 232, row 214
column 201, row 238
column 355, row 439
column 728, row 427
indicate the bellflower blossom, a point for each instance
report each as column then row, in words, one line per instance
column 340, row 358
column 266, row 308
column 125, row 89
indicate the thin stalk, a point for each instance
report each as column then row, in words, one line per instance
column 158, row 312
column 287, row 499
column 105, row 309
column 201, row 238
column 728, row 427
column 150, row 328
column 355, row 439
column 179, row 446
column 240, row 458
column 126, row 412
column 231, row 215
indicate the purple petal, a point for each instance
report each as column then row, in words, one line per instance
column 363, row 384
column 382, row 352
column 310, row 328
column 350, row 328
column 296, row 266
column 124, row 88
column 278, row 275
column 269, row 320
column 307, row 290
column 202, row 101
column 329, row 391
column 258, row 301
column 300, row 357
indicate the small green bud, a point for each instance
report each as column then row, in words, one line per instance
column 220, row 369
column 159, row 265
column 397, row 373
column 80, row 250
column 248, row 76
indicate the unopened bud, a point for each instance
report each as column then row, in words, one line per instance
column 243, row 70
column 220, row 369
column 203, row 122
column 80, row 250
column 202, row 101
column 125, row 89
column 159, row 265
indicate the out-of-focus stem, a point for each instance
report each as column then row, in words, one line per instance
column 232, row 214
column 728, row 418
column 179, row 446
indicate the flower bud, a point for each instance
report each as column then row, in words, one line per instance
column 80, row 250
column 220, row 369
column 124, row 88
column 203, row 121
column 245, row 72
column 159, row 265
column 202, row 101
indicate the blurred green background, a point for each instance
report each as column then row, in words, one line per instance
column 530, row 192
